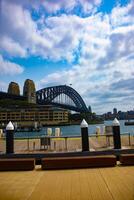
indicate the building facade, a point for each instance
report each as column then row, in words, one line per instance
column 29, row 116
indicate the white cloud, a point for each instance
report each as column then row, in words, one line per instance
column 51, row 41
column 24, row 38
column 11, row 47
column 9, row 68
column 90, row 6
column 3, row 86
column 56, row 5
column 122, row 15
column 106, row 57
column 53, row 6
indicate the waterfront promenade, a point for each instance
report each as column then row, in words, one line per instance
column 111, row 183
column 116, row 183
column 72, row 144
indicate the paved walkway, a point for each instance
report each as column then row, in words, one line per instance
column 115, row 183
column 58, row 145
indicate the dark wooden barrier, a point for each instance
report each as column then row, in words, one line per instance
column 78, row 162
column 16, row 164
column 127, row 159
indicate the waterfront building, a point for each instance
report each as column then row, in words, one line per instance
column 13, row 89
column 115, row 111
column 29, row 116
column 120, row 115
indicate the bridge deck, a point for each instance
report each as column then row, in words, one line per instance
column 115, row 183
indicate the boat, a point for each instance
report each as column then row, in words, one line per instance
column 29, row 129
column 129, row 123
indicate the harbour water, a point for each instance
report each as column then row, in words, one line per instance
column 75, row 130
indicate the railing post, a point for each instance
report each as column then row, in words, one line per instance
column 116, row 134
column 9, row 138
column 84, row 135
column 129, row 137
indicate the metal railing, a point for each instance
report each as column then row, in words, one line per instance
column 41, row 144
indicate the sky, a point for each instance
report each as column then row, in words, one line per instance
column 86, row 43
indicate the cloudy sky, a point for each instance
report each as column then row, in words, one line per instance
column 86, row 43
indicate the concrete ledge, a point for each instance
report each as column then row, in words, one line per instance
column 127, row 159
column 14, row 164
column 78, row 162
column 38, row 156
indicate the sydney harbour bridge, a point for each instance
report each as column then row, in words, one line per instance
column 62, row 96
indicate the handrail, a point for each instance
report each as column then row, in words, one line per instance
column 68, row 136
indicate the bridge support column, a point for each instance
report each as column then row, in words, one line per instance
column 84, row 135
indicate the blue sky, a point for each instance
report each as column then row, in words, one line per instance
column 88, row 43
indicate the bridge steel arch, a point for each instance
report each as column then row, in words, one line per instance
column 47, row 95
